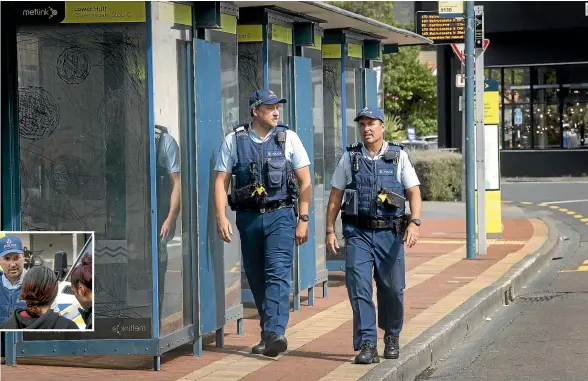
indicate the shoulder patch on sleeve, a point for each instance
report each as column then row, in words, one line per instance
column 396, row 144
column 241, row 127
column 284, row 125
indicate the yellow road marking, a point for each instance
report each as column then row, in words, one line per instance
column 578, row 216
column 581, row 268
column 571, row 212
column 563, row 210
column 554, row 207
column 526, row 203
column 584, row 220
column 542, row 204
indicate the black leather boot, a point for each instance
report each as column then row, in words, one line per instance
column 392, row 347
column 275, row 344
column 368, row 354
column 259, row 348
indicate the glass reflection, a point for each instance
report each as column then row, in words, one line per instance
column 171, row 46
column 279, row 75
column 319, row 163
column 231, row 252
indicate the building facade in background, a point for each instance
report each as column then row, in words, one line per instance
column 542, row 69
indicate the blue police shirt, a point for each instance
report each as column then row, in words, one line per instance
column 169, row 157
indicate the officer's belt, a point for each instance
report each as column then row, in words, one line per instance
column 263, row 207
column 374, row 223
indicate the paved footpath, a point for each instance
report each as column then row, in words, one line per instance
column 439, row 280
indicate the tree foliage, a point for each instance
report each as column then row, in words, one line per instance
column 410, row 89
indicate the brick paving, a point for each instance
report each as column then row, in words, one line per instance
column 317, row 357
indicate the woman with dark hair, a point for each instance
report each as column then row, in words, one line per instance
column 39, row 289
column 81, row 284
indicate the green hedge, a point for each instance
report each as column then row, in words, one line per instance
column 439, row 173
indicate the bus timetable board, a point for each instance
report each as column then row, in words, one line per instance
column 440, row 30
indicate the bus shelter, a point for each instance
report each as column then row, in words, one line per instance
column 112, row 114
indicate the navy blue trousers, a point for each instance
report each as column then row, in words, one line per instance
column 379, row 254
column 267, row 246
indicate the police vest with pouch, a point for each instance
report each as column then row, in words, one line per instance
column 372, row 178
column 262, row 164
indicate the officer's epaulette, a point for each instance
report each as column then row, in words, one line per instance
column 241, row 127
column 161, row 128
column 280, row 124
column 396, row 144
column 355, row 146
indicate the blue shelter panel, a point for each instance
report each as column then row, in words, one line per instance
column 371, row 88
column 305, row 129
column 209, row 137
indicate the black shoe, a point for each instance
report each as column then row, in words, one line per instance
column 259, row 348
column 274, row 345
column 392, row 347
column 368, row 354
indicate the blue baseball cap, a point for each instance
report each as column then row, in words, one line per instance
column 370, row 112
column 264, row 97
column 10, row 245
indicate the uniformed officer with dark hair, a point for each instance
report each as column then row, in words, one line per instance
column 370, row 186
column 267, row 168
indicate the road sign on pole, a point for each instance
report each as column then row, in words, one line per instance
column 450, row 9
column 459, row 50
column 479, row 26
column 460, row 81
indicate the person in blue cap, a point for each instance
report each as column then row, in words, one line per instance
column 370, row 186
column 12, row 262
column 267, row 168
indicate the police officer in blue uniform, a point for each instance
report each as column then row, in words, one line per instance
column 267, row 168
column 370, row 186
column 12, row 262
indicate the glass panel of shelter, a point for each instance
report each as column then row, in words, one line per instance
column 230, row 111
column 171, row 44
column 84, row 149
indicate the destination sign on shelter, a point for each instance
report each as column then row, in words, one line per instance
column 440, row 30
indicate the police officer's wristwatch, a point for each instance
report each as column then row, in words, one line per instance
column 304, row 217
column 416, row 221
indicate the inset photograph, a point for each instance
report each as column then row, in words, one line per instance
column 46, row 281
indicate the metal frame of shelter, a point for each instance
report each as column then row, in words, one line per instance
column 300, row 26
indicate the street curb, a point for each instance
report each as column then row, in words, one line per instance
column 438, row 340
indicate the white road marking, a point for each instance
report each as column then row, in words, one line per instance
column 563, row 202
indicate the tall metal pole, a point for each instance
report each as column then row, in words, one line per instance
column 470, row 143
column 480, row 150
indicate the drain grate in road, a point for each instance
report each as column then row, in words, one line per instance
column 540, row 297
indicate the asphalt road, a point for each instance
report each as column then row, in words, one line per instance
column 571, row 195
column 543, row 334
